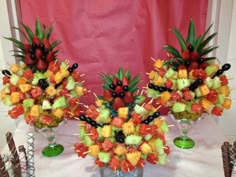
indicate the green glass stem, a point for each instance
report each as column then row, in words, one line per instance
column 184, row 141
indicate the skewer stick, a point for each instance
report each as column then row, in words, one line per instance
column 147, row 73
column 95, row 95
column 153, row 59
column 86, row 152
column 94, row 167
column 55, row 62
column 150, row 101
column 171, row 125
column 81, row 75
column 141, row 92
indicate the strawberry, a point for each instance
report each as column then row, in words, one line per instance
column 117, row 122
column 180, row 67
column 73, row 102
column 47, row 119
column 118, row 89
column 125, row 81
column 50, row 56
column 5, row 80
column 128, row 97
column 93, row 134
column 107, row 95
column 27, row 47
column 118, row 103
column 187, row 95
column 161, row 71
column 194, row 56
column 38, row 53
column 41, row 65
column 217, row 111
column 126, row 166
column 203, row 65
column 36, row 92
column 193, row 65
column 28, row 74
column 46, row 43
column 28, row 61
column 167, row 150
column 107, row 145
column 54, row 67
column 115, row 80
column 114, row 163
column 168, row 83
column 36, row 40
column 197, row 108
column 99, row 163
column 75, row 75
column 77, row 112
column 67, row 113
column 224, row 80
column 186, row 54
column 140, row 163
column 152, row 158
column 212, row 96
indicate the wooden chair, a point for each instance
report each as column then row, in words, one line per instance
column 229, row 157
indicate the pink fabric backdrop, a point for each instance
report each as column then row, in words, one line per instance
column 103, row 35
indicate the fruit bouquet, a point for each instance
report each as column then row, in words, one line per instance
column 121, row 130
column 39, row 86
column 189, row 82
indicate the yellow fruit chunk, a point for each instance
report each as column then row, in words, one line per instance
column 64, row 72
column 157, row 122
column 35, row 111
column 183, row 74
column 123, row 112
column 158, row 63
column 14, row 68
column 158, row 80
column 133, row 157
column 15, row 97
column 106, row 131
column 80, row 91
column 25, row 87
column 21, row 80
column 58, row 112
column 224, row 90
column 165, row 96
column 58, row 77
column 120, row 150
column 204, row 89
column 151, row 75
column 151, row 143
column 94, row 150
column 206, row 104
column 227, row 103
column 128, row 128
column 51, row 91
column 145, row 148
column 3, row 94
column 99, row 103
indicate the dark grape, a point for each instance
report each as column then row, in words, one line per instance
column 150, row 118
column 70, row 70
column 6, row 72
column 126, row 88
column 43, row 57
column 145, row 121
column 119, row 83
column 187, row 62
column 162, row 89
column 32, row 56
column 151, row 86
column 93, row 123
column 156, row 87
column 75, row 65
column 112, row 86
column 41, row 46
column 82, row 117
column 156, row 114
column 201, row 60
column 34, row 46
column 190, row 48
column 31, row 50
column 88, row 120
column 114, row 94
column 45, row 51
column 120, row 137
column 226, row 67
column 121, row 94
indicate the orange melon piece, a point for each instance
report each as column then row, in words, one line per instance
column 94, row 150
column 120, row 150
column 51, row 91
column 204, row 89
column 22, row 80
column 123, row 112
column 206, row 104
column 151, row 75
column 158, row 63
column 58, row 112
column 158, row 80
column 165, row 96
column 224, row 90
column 182, row 73
column 25, row 87
column 106, row 131
column 15, row 97
column 227, row 103
column 128, row 128
column 14, row 68
column 35, row 111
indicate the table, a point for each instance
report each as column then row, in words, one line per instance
column 204, row 160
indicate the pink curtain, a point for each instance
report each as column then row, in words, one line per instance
column 103, row 35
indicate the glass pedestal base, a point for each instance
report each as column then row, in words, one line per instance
column 184, row 142
column 53, row 150
column 107, row 172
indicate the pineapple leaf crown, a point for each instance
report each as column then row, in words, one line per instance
column 193, row 49
column 35, row 51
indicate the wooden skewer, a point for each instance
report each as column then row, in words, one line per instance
column 55, row 62
column 147, row 73
column 94, row 167
column 95, row 95
column 76, row 134
column 153, row 59
column 141, row 92
column 171, row 125
column 86, row 152
column 150, row 101
column 81, row 75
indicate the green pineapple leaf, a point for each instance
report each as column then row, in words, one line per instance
column 172, row 50
column 23, row 34
column 127, row 74
column 106, row 79
column 120, row 74
column 15, row 41
column 28, row 31
column 210, row 58
column 38, row 30
column 191, row 33
column 180, row 39
column 134, row 81
column 206, row 41
column 198, row 42
column 208, row 50
column 54, row 44
column 18, row 51
column 49, row 31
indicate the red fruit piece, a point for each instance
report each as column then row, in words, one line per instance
column 81, row 149
column 13, row 88
column 203, row 65
column 152, row 158
column 67, row 113
column 217, row 111
column 107, row 95
column 27, row 47
column 126, row 166
column 117, row 122
column 47, row 119
column 114, row 163
column 28, row 61
column 54, row 66
column 73, row 101
column 36, row 40
column 161, row 71
column 93, row 134
column 175, row 96
column 187, row 95
column 168, row 83
column 128, row 97
column 92, row 112
column 118, row 103
column 167, row 149
column 140, row 163
column 118, row 89
column 186, row 54
column 143, row 129
column 99, row 163
column 197, row 108
column 193, row 65
column 46, row 43
column 50, row 56
column 115, row 80
column 107, row 145
column 153, row 129
column 5, row 80
column 224, row 80
column 38, row 53
column 125, row 81
column 194, row 56
column 41, row 65
column 29, row 119
column 136, row 118
column 75, row 75
column 77, row 111
column 28, row 74
column 36, row 92
column 212, row 96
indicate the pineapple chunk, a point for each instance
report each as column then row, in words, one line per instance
column 94, row 150
column 165, row 96
column 120, row 150
column 128, row 128
column 206, row 104
column 79, row 90
column 99, row 103
column 15, row 97
column 35, row 111
column 151, row 75
column 3, row 94
column 204, row 89
column 145, row 148
column 25, row 87
column 158, row 81
column 51, row 91
column 183, row 74
column 158, row 63
column 123, row 112
column 227, row 103
column 106, row 131
column 133, row 157
column 14, row 68
column 224, row 90
column 58, row 112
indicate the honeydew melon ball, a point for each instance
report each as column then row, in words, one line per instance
column 209, row 82
column 211, row 69
column 87, row 141
column 104, row 157
column 183, row 83
column 164, row 127
column 104, row 115
column 216, row 83
column 133, row 140
column 152, row 93
column 162, row 158
column 178, row 107
column 140, row 110
column 71, row 83
column 37, row 77
column 220, row 99
column 82, row 133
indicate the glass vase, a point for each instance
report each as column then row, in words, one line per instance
column 52, row 149
column 185, row 123
column 107, row 172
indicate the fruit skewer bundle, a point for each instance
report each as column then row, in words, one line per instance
column 121, row 131
column 189, row 83
column 42, row 88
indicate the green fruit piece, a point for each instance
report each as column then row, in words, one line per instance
column 104, row 157
column 220, row 99
column 178, row 107
column 88, row 141
column 20, row 72
column 46, row 105
column 209, row 82
column 73, row 93
column 198, row 92
column 189, row 106
column 170, row 73
column 59, row 103
column 37, row 77
column 140, row 110
column 82, row 133
column 63, row 65
column 14, row 79
column 133, row 140
column 158, row 143
column 28, row 103
column 104, row 115
column 216, row 83
column 139, row 99
column 7, row 100
column 6, row 88
column 144, row 156
column 38, row 124
column 183, row 83
column 211, row 69
column 148, row 137
column 70, row 84
column 99, row 129
column 164, row 127
column 162, row 158
column 152, row 93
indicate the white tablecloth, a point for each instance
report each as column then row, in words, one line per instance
column 204, row 160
